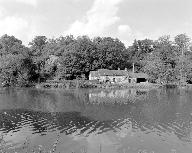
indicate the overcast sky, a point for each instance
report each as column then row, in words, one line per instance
column 124, row 19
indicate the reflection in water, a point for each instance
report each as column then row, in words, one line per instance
column 118, row 96
column 159, row 121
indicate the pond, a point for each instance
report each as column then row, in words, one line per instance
column 96, row 121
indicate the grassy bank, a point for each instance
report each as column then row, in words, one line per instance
column 75, row 84
column 67, row 84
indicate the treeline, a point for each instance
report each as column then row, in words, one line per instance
column 70, row 58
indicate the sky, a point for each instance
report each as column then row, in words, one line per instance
column 123, row 19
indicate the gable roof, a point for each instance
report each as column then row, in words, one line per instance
column 94, row 73
column 106, row 72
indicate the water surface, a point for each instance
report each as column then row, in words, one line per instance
column 92, row 121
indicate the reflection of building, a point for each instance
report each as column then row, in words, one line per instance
column 120, row 96
column 105, row 75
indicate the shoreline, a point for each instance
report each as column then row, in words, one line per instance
column 85, row 84
column 90, row 85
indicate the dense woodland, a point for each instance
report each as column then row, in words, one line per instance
column 164, row 60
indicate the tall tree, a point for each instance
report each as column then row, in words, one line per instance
column 15, row 63
column 182, row 42
column 11, row 45
column 76, row 59
column 37, row 53
column 138, row 51
column 108, row 51
column 160, row 64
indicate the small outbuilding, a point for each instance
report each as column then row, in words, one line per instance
column 138, row 77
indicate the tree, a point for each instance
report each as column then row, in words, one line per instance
column 37, row 53
column 16, row 70
column 108, row 51
column 76, row 59
column 11, row 45
column 182, row 42
column 160, row 64
column 138, row 51
column 82, row 55
column 15, row 63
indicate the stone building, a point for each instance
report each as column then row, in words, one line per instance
column 115, row 76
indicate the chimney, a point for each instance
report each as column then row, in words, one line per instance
column 118, row 68
column 133, row 67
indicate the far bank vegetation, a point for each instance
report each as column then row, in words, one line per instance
column 165, row 61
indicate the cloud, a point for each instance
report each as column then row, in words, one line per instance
column 128, row 34
column 23, row 27
column 28, row 2
column 2, row 12
column 102, row 20
column 19, row 27
column 122, row 29
column 12, row 25
column 187, row 26
column 16, row 26
column 102, row 15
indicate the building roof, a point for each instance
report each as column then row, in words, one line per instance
column 106, row 72
column 138, row 75
column 94, row 73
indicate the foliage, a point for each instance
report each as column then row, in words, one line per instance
column 15, row 63
column 165, row 61
column 83, row 55
column 165, row 64
column 138, row 52
column 10, row 45
column 37, row 54
column 109, row 53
